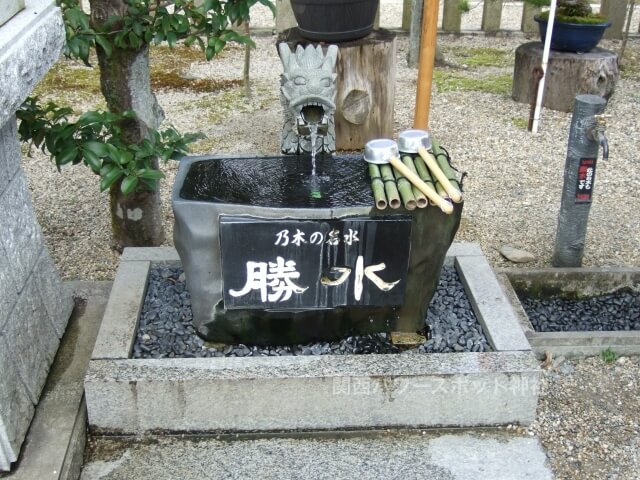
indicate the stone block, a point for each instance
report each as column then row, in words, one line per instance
column 29, row 44
column 55, row 296
column 8, row 289
column 21, row 235
column 150, row 254
column 321, row 392
column 491, row 305
column 9, row 153
column 30, row 339
column 122, row 312
column 9, row 9
column 16, row 408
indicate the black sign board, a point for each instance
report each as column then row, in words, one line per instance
column 586, row 177
column 309, row 264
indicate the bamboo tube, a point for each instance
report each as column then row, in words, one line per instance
column 406, row 190
column 436, row 172
column 421, row 200
column 390, row 186
column 449, row 172
column 377, row 186
column 423, row 173
column 430, row 193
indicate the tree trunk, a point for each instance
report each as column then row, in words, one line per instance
column 124, row 80
column 136, row 219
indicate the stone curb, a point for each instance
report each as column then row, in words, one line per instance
column 315, row 392
column 587, row 281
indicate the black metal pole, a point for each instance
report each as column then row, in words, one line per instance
column 579, row 177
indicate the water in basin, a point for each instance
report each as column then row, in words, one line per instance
column 286, row 181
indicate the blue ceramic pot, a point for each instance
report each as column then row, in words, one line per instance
column 573, row 37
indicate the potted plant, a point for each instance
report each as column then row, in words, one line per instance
column 576, row 28
column 334, row 20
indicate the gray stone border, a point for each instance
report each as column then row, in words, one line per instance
column 135, row 396
column 588, row 281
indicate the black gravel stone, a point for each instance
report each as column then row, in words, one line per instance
column 612, row 312
column 165, row 329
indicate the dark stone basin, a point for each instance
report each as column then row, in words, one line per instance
column 211, row 190
column 277, row 182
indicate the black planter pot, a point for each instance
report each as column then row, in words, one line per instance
column 573, row 37
column 334, row 20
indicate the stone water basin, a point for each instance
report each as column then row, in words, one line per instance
column 277, row 192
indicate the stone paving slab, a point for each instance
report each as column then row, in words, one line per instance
column 390, row 455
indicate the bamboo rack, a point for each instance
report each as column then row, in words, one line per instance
column 391, row 189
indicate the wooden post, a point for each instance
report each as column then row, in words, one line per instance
column 406, row 14
column 427, row 60
column 451, row 16
column 413, row 50
column 528, row 24
column 366, row 71
column 284, row 16
column 491, row 15
column 615, row 11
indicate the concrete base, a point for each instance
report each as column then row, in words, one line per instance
column 572, row 281
column 315, row 392
column 384, row 455
column 55, row 443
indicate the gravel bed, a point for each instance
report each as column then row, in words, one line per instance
column 612, row 312
column 166, row 330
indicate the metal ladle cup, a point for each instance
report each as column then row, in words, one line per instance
column 419, row 141
column 383, row 150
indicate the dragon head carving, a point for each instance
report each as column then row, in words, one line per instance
column 308, row 95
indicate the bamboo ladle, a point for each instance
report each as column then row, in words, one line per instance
column 418, row 141
column 384, row 150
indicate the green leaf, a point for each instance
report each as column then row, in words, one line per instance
column 109, row 178
column 104, row 44
column 92, row 160
column 89, row 117
column 172, row 39
column 99, row 149
column 151, row 174
column 218, row 45
column 67, row 155
column 129, row 184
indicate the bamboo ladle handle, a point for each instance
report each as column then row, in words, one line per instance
column 452, row 191
column 429, row 192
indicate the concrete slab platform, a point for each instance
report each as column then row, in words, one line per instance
column 313, row 393
column 571, row 282
column 55, row 442
column 388, row 455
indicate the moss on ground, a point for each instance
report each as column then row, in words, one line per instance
column 630, row 68
column 520, row 122
column 73, row 84
column 481, row 57
column 232, row 100
column 449, row 81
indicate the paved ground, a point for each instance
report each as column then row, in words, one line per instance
column 460, row 456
